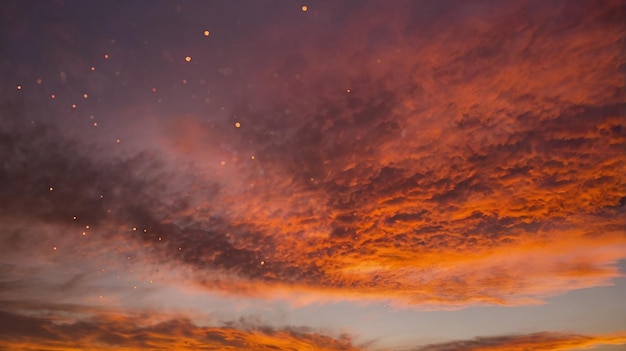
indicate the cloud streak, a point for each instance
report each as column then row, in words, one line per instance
column 103, row 332
column 536, row 341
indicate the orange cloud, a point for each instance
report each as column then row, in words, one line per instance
column 474, row 156
column 481, row 163
column 538, row 341
column 108, row 332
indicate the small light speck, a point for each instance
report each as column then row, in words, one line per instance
column 106, row 56
column 74, row 217
column 85, row 96
column 305, row 8
column 206, row 33
column 223, row 163
column 118, row 141
column 348, row 91
column 39, row 81
column 54, row 248
column 50, row 188
column 84, row 233
column 154, row 90
column 95, row 124
column 93, row 68
column 19, row 87
column 52, row 96
column 188, row 58
column 74, row 106
column 237, row 125
column 252, row 157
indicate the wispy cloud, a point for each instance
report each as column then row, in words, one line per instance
column 537, row 341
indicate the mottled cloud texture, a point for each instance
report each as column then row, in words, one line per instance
column 481, row 163
column 434, row 155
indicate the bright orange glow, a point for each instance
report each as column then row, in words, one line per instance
column 188, row 58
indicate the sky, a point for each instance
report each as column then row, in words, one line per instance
column 313, row 175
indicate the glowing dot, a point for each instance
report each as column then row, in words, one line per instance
column 184, row 81
column 84, row 233
column 100, row 297
column 74, row 217
column 160, row 238
column 51, row 188
column 54, row 248
column 52, row 96
column 154, row 90
column 262, row 263
column 106, row 56
column 348, row 90
column 134, row 229
column 85, row 96
column 92, row 117
column 223, row 163
column 74, row 106
column 134, row 287
column 252, row 157
column 206, row 33
column 188, row 58
column 118, row 141
column 151, row 282
column 101, row 196
column 145, row 230
column 305, row 8
column 39, row 81
column 237, row 125
column 93, row 68
column 95, row 124
column 19, row 87
column 180, row 249
column 86, row 227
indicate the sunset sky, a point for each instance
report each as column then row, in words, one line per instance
column 320, row 175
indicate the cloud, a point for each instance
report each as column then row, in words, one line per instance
column 536, row 341
column 103, row 332
column 435, row 165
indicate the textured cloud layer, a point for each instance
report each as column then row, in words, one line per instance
column 108, row 332
column 479, row 162
column 407, row 159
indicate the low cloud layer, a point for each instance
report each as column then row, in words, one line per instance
column 537, row 341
